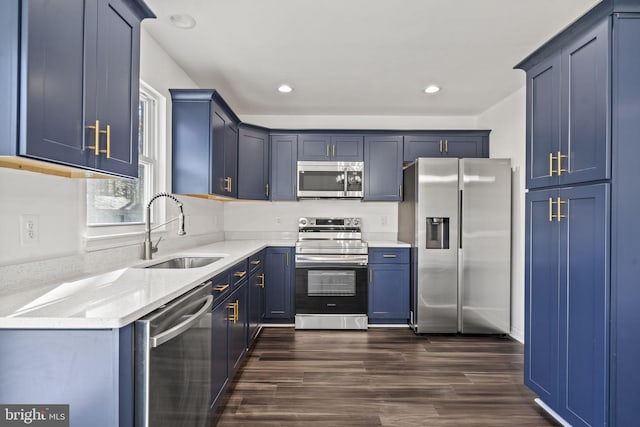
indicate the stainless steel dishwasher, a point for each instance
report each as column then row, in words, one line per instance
column 173, row 362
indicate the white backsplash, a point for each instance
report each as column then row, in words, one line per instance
column 279, row 220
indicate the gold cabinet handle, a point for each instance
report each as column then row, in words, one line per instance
column 400, row 192
column 227, row 184
column 551, row 215
column 446, row 145
column 107, row 132
column 551, row 159
column 96, row 140
column 261, row 284
column 370, row 276
column 327, row 150
column 441, row 146
column 221, row 288
column 239, row 273
column 235, row 307
column 333, row 150
column 266, row 190
column 559, row 203
column 559, row 159
column 255, row 262
column 287, row 257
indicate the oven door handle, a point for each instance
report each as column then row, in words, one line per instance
column 170, row 334
column 328, row 261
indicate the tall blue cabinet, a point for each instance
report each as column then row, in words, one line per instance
column 582, row 237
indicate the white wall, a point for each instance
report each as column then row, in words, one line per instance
column 507, row 119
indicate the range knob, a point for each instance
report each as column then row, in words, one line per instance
column 355, row 222
column 302, row 222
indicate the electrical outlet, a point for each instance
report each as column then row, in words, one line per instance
column 384, row 220
column 278, row 220
column 29, row 229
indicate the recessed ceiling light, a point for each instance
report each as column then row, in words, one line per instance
column 183, row 21
column 432, row 89
column 285, row 89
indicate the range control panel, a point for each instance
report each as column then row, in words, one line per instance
column 329, row 222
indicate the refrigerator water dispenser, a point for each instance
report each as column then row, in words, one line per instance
column 437, row 233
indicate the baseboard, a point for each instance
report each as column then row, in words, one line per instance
column 517, row 335
column 551, row 412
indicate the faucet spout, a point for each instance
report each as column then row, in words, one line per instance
column 148, row 247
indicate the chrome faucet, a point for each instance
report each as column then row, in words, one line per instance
column 149, row 249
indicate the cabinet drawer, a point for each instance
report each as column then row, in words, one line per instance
column 221, row 286
column 389, row 255
column 239, row 272
column 256, row 261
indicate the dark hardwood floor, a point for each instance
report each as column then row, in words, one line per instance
column 382, row 377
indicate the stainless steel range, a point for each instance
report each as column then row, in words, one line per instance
column 331, row 274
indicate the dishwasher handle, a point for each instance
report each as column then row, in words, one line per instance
column 170, row 334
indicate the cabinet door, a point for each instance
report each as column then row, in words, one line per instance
column 542, row 296
column 389, row 291
column 54, row 34
column 284, row 154
column 255, row 311
column 278, row 288
column 347, row 148
column 253, row 163
column 219, row 179
column 422, row 146
column 231, row 158
column 237, row 328
column 219, row 349
column 584, row 301
column 117, row 87
column 543, row 122
column 383, row 168
column 585, row 139
column 314, row 147
column 463, row 146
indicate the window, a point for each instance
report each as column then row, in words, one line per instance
column 122, row 201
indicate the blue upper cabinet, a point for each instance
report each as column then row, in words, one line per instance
column 585, row 105
column 283, row 155
column 567, row 114
column 205, row 143
column 320, row 147
column 87, row 50
column 117, row 87
column 383, row 168
column 446, row 144
column 543, row 122
column 253, row 163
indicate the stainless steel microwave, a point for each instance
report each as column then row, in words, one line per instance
column 330, row 179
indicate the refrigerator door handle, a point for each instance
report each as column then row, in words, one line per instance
column 460, row 221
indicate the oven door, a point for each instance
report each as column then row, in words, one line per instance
column 331, row 289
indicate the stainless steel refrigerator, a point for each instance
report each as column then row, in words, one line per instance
column 456, row 214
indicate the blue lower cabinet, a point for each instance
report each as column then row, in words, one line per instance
column 90, row 370
column 219, row 351
column 237, row 328
column 388, row 285
column 566, row 301
column 255, row 307
column 279, row 284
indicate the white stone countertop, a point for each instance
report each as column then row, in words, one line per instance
column 387, row 244
column 117, row 298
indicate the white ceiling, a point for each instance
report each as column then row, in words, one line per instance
column 360, row 57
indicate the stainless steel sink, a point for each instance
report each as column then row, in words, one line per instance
column 185, row 262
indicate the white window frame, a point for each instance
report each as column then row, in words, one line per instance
column 104, row 236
